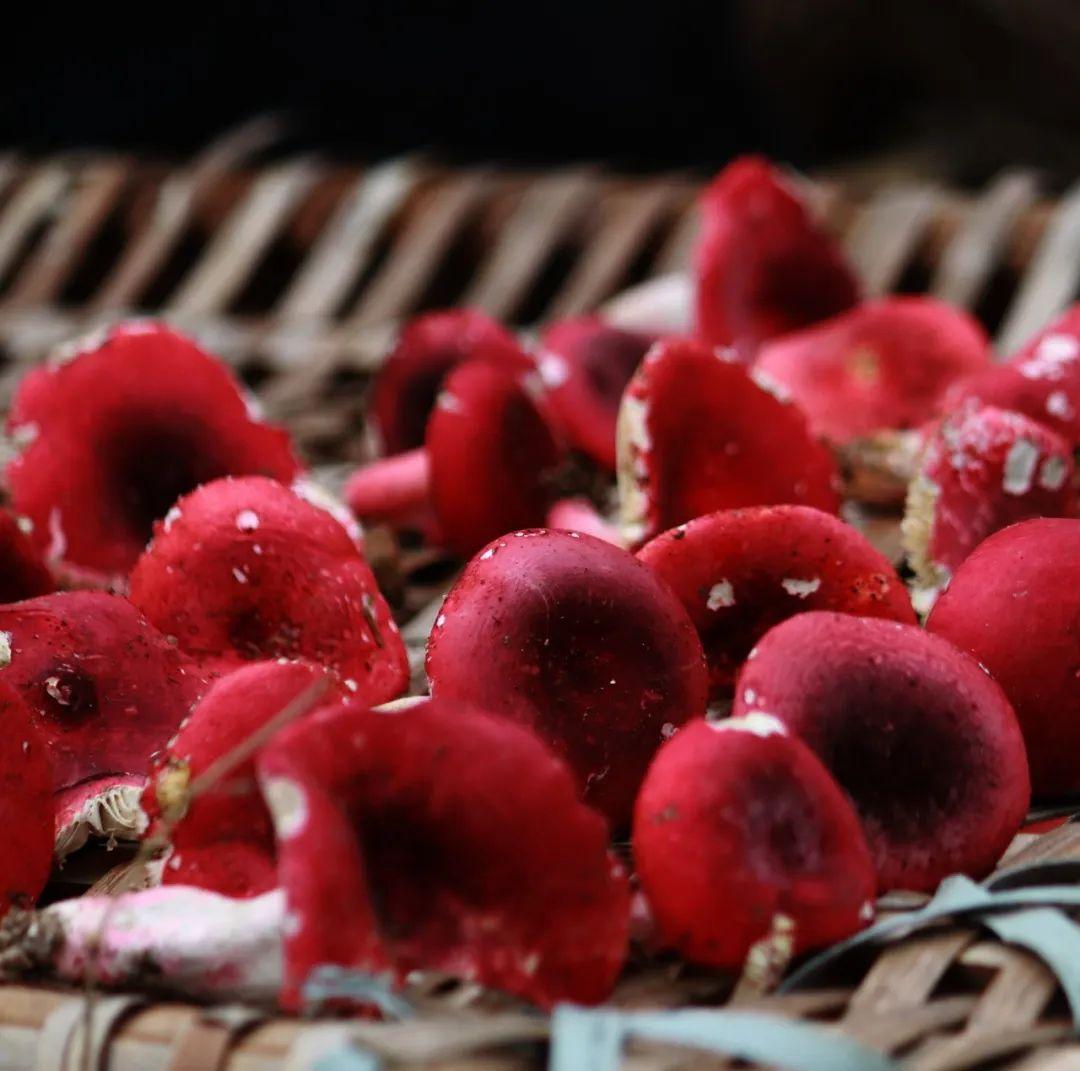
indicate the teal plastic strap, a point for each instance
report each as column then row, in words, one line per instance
column 330, row 982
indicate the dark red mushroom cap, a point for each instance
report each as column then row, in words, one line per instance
column 115, row 431
column 739, row 572
column 918, row 735
column 763, row 266
column 106, row 690
column 585, row 364
column 698, row 434
column 1014, row 604
column 428, row 349
column 576, row 639
column 223, row 839
column 736, row 823
column 26, row 805
column 882, row 366
column 442, row 838
column 245, row 569
column 23, row 572
column 982, row 470
column 492, row 455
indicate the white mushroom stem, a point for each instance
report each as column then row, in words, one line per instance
column 186, row 940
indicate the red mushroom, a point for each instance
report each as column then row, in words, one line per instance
column 579, row 641
column 981, row 470
column 402, row 845
column 116, row 430
column 697, row 434
column 739, row 572
column 486, row 466
column 737, row 823
column 106, row 690
column 221, row 837
column 245, row 569
column 23, row 573
column 428, row 349
column 763, row 266
column 1014, row 604
column 585, row 364
column 918, row 735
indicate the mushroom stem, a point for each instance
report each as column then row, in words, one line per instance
column 580, row 515
column 392, row 489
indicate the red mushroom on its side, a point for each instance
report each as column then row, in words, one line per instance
column 918, row 735
column 739, row 572
column 982, row 469
column 486, row 466
column 116, row 429
column 698, row 434
column 1014, row 604
column 579, row 641
column 440, row 837
column 245, row 569
column 737, row 823
column 763, row 266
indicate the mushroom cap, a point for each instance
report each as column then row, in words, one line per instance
column 117, row 429
column 427, row 350
column 882, row 366
column 23, row 572
column 920, row 737
column 492, row 455
column 698, row 434
column 223, row 839
column 739, row 572
column 585, row 364
column 763, row 266
column 738, row 822
column 982, row 469
column 1014, row 604
column 26, row 805
column 402, row 845
column 105, row 690
column 245, row 569
column 579, row 641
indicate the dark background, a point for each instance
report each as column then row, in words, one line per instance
column 964, row 86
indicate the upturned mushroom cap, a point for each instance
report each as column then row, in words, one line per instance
column 763, row 266
column 697, row 433
column 737, row 824
column 982, row 469
column 585, row 364
column 739, row 572
column 428, row 349
column 402, row 845
column 883, row 366
column 106, row 690
column 920, row 737
column 245, row 569
column 1014, row 604
column 579, row 641
column 115, row 429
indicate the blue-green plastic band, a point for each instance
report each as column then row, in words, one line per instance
column 330, row 982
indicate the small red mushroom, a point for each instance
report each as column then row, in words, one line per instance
column 737, row 823
column 918, row 735
column 763, row 266
column 585, row 364
column 114, row 430
column 439, row 837
column 245, row 569
column 106, row 690
column 486, row 466
column 221, row 838
column 981, row 470
column 739, row 572
column 23, row 572
column 579, row 641
column 698, row 434
column 1014, row 604
column 428, row 349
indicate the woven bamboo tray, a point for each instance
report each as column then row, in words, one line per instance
column 297, row 272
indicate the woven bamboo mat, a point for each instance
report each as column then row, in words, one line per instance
column 297, row 272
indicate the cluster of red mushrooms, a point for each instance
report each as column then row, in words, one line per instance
column 663, row 632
